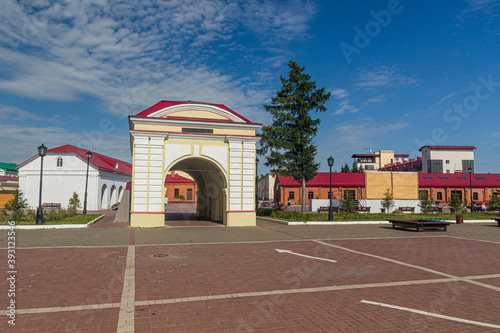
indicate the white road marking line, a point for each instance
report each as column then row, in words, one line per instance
column 305, row 256
column 126, row 317
column 425, row 313
column 464, row 279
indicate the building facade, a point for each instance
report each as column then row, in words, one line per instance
column 177, row 186
column 376, row 160
column 8, row 185
column 64, row 172
column 265, row 187
column 447, row 159
column 403, row 185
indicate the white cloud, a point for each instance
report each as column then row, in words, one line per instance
column 479, row 6
column 133, row 54
column 348, row 137
column 339, row 93
column 383, row 76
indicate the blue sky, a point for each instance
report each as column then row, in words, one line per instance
column 402, row 73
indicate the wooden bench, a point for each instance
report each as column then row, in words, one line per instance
column 51, row 205
column 436, row 209
column 420, row 224
column 327, row 208
column 407, row 209
column 498, row 221
column 362, row 209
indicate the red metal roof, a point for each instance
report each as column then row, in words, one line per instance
column 458, row 180
column 101, row 162
column 322, row 179
column 177, row 179
column 163, row 104
column 449, row 147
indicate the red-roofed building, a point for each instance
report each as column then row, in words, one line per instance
column 64, row 172
column 350, row 183
column 177, row 185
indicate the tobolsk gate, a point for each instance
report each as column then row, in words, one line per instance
column 212, row 143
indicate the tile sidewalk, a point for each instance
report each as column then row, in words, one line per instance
column 199, row 279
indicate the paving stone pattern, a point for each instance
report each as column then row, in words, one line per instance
column 195, row 278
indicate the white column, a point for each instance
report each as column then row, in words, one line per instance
column 235, row 175
column 156, row 145
column 248, row 171
column 140, row 174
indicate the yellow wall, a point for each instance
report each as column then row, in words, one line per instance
column 403, row 185
column 386, row 156
column 197, row 114
column 178, row 129
column 4, row 197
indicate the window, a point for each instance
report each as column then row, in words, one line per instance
column 189, row 195
column 447, row 171
column 291, row 195
column 369, row 167
column 457, row 193
column 176, row 192
column 59, row 162
column 475, row 196
column 439, row 196
column 329, row 195
column 350, row 193
column 466, row 164
column 310, row 195
column 447, row 161
column 422, row 194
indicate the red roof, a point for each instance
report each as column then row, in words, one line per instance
column 99, row 161
column 163, row 104
column 449, row 147
column 322, row 179
column 458, row 180
column 177, row 180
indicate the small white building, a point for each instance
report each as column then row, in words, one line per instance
column 64, row 172
column 265, row 187
column 447, row 159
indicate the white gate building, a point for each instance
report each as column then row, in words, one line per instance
column 210, row 142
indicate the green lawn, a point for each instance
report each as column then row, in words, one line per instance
column 77, row 219
column 291, row 216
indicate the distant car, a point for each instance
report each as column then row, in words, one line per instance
column 115, row 206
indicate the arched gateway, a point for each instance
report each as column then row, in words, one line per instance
column 212, row 143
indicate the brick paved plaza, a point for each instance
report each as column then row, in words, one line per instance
column 198, row 278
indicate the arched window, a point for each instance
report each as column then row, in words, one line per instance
column 59, row 162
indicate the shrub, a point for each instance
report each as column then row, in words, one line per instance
column 17, row 205
column 180, row 197
column 264, row 211
column 291, row 215
column 74, row 202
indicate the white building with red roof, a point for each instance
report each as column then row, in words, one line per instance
column 64, row 172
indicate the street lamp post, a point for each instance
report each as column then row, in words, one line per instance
column 470, row 187
column 89, row 155
column 256, row 184
column 330, row 212
column 42, row 151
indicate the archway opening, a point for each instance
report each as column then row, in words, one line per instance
column 104, row 197
column 196, row 192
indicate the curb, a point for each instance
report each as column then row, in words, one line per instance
column 349, row 222
column 53, row 226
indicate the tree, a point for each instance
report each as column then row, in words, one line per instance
column 388, row 201
column 347, row 205
column 289, row 139
column 425, row 204
column 455, row 203
column 345, row 168
column 354, row 167
column 494, row 201
column 74, row 202
column 17, row 205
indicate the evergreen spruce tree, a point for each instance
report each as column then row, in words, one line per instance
column 388, row 201
column 345, row 168
column 425, row 204
column 288, row 141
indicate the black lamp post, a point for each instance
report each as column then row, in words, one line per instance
column 330, row 212
column 470, row 187
column 256, row 183
column 42, row 151
column 89, row 155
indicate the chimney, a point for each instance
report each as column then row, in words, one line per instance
column 172, row 174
